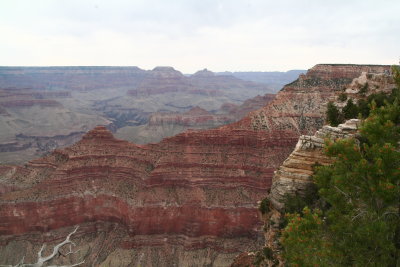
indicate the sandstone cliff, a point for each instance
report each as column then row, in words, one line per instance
column 294, row 176
column 190, row 200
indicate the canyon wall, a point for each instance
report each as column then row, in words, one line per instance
column 189, row 200
column 43, row 108
column 294, row 176
column 166, row 124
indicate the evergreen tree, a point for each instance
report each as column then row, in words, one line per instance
column 350, row 111
column 361, row 227
column 333, row 115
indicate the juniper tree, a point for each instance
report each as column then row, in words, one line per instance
column 361, row 227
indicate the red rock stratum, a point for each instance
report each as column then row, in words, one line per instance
column 189, row 200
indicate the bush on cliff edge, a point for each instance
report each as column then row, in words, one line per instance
column 362, row 187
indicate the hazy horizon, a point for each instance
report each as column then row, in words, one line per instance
column 192, row 35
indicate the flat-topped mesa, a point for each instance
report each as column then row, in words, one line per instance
column 328, row 77
column 332, row 71
column 99, row 134
column 204, row 73
column 197, row 111
column 166, row 72
column 161, row 80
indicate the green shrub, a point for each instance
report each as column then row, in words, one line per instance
column 333, row 115
column 364, row 89
column 350, row 111
column 264, row 206
column 342, row 97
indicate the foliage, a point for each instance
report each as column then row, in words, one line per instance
column 362, row 108
column 361, row 227
column 333, row 115
column 266, row 254
column 350, row 110
column 396, row 75
column 364, row 89
column 264, row 206
column 305, row 241
column 342, row 97
column 296, row 203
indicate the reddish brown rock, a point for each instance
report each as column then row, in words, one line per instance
column 172, row 200
column 196, row 116
column 26, row 97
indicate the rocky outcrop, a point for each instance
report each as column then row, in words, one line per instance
column 294, row 176
column 189, row 200
column 300, row 106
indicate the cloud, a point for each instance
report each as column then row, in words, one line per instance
column 190, row 35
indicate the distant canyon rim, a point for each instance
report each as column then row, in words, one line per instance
column 188, row 200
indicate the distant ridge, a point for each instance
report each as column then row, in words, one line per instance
column 274, row 79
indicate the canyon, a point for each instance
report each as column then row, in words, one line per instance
column 165, row 124
column 294, row 176
column 43, row 108
column 189, row 200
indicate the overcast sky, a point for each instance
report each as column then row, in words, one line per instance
column 232, row 35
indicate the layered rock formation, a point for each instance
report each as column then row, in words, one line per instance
column 34, row 122
column 163, row 80
column 294, row 176
column 300, row 106
column 274, row 79
column 189, row 192
column 164, row 124
column 42, row 108
column 72, row 78
column 190, row 200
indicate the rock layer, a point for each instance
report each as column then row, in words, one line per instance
column 192, row 195
column 164, row 124
column 295, row 175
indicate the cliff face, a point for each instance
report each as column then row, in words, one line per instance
column 165, row 124
column 190, row 200
column 192, row 191
column 300, row 106
column 43, row 108
column 294, row 176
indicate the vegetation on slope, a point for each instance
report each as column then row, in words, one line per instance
column 357, row 219
column 362, row 108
